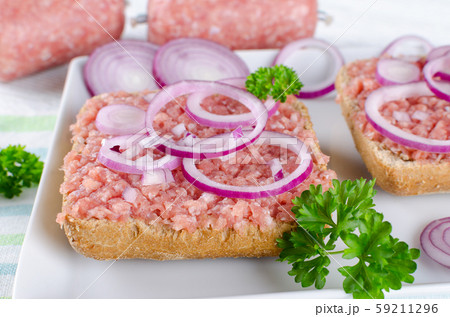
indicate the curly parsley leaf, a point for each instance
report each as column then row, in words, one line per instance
column 302, row 245
column 18, row 169
column 346, row 212
column 277, row 81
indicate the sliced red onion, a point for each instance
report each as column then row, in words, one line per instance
column 120, row 119
column 203, row 117
column 129, row 194
column 271, row 106
column 446, row 236
column 396, row 71
column 441, row 88
column 148, row 97
column 157, row 176
column 438, row 233
column 212, row 150
column 396, row 92
column 435, row 241
column 443, row 76
column 179, row 130
column 198, row 179
column 237, row 133
column 422, row 46
column 196, row 59
column 110, row 156
column 326, row 85
column 188, row 140
column 401, row 116
column 420, row 115
column 125, row 65
column 118, row 152
column 438, row 52
column 239, row 82
column 277, row 169
column 228, row 157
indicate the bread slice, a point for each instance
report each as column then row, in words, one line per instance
column 392, row 173
column 104, row 239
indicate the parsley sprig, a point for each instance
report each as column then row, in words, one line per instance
column 277, row 81
column 346, row 212
column 18, row 169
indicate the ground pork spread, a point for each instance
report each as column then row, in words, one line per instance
column 428, row 117
column 92, row 190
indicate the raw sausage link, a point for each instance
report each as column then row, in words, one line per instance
column 35, row 35
column 238, row 24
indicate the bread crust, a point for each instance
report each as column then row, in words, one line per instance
column 107, row 240
column 392, row 173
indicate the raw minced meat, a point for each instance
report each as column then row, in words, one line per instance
column 237, row 24
column 93, row 191
column 425, row 116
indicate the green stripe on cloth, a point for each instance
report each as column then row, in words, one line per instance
column 12, row 239
column 24, row 124
column 5, row 297
column 8, row 268
column 16, row 210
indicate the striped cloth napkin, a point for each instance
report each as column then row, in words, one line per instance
column 28, row 111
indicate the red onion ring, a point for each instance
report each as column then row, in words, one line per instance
column 200, row 115
column 113, row 159
column 120, row 120
column 148, row 97
column 396, row 71
column 440, row 88
column 196, row 59
column 188, row 140
column 277, row 169
column 396, row 92
column 239, row 82
column 435, row 241
column 443, row 76
column 203, row 117
column 327, row 84
column 157, row 176
column 238, row 133
column 124, row 65
column 438, row 52
column 199, row 180
column 207, row 151
column 446, row 236
column 393, row 47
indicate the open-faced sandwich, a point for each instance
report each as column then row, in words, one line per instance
column 398, row 110
column 145, row 180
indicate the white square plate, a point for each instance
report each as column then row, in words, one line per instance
column 50, row 268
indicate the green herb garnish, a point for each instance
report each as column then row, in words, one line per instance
column 18, row 168
column 345, row 212
column 277, row 81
